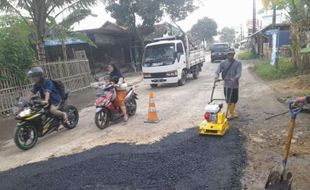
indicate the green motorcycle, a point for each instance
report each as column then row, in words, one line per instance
column 35, row 120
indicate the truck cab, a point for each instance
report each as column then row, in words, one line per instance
column 167, row 61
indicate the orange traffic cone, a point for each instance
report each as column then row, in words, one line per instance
column 152, row 115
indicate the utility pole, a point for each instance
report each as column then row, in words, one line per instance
column 241, row 33
column 274, row 16
column 254, row 16
column 254, row 26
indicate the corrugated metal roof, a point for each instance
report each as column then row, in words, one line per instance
column 57, row 42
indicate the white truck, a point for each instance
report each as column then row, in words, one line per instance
column 170, row 60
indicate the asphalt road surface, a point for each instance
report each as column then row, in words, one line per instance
column 180, row 161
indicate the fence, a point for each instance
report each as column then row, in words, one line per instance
column 74, row 74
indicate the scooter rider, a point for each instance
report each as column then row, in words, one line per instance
column 117, row 78
column 48, row 92
column 231, row 70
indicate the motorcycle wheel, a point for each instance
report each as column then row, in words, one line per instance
column 131, row 107
column 73, row 116
column 102, row 119
column 26, row 137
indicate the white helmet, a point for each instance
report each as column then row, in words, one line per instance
column 35, row 72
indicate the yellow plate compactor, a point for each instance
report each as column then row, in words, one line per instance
column 216, row 122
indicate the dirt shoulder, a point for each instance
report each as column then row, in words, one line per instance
column 292, row 87
column 265, row 139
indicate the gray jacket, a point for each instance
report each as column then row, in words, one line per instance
column 232, row 76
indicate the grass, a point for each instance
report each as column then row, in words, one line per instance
column 269, row 72
column 246, row 55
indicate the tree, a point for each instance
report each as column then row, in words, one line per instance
column 274, row 5
column 204, row 29
column 127, row 12
column 35, row 14
column 228, row 35
column 64, row 30
column 16, row 53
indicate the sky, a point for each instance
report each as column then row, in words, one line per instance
column 231, row 13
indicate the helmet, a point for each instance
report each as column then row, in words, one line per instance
column 230, row 52
column 35, row 72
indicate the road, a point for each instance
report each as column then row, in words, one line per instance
column 168, row 155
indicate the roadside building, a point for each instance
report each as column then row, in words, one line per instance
column 264, row 39
column 113, row 45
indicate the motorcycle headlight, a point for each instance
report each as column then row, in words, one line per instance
column 105, row 102
column 25, row 112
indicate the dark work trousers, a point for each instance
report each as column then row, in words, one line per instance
column 231, row 95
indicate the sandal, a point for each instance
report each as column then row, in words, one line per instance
column 126, row 118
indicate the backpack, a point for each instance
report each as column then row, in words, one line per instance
column 60, row 87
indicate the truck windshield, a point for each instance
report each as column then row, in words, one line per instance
column 159, row 54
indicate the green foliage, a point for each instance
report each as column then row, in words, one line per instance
column 149, row 12
column 13, row 24
column 269, row 72
column 204, row 29
column 15, row 51
column 246, row 55
column 228, row 35
column 178, row 9
column 35, row 14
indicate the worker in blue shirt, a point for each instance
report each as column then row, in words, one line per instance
column 48, row 92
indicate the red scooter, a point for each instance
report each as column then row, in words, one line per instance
column 106, row 111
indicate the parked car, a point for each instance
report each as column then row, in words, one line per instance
column 218, row 51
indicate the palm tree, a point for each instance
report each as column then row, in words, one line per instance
column 36, row 13
column 63, row 30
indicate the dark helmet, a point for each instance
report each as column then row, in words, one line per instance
column 230, row 52
column 35, row 72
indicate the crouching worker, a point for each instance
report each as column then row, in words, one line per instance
column 231, row 72
column 48, row 92
column 302, row 100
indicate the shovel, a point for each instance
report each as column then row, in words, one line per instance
column 280, row 179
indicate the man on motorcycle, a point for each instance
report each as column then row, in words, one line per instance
column 48, row 92
column 117, row 78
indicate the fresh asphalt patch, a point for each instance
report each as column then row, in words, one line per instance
column 180, row 161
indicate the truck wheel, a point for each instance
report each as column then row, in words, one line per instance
column 182, row 81
column 196, row 73
column 154, row 85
